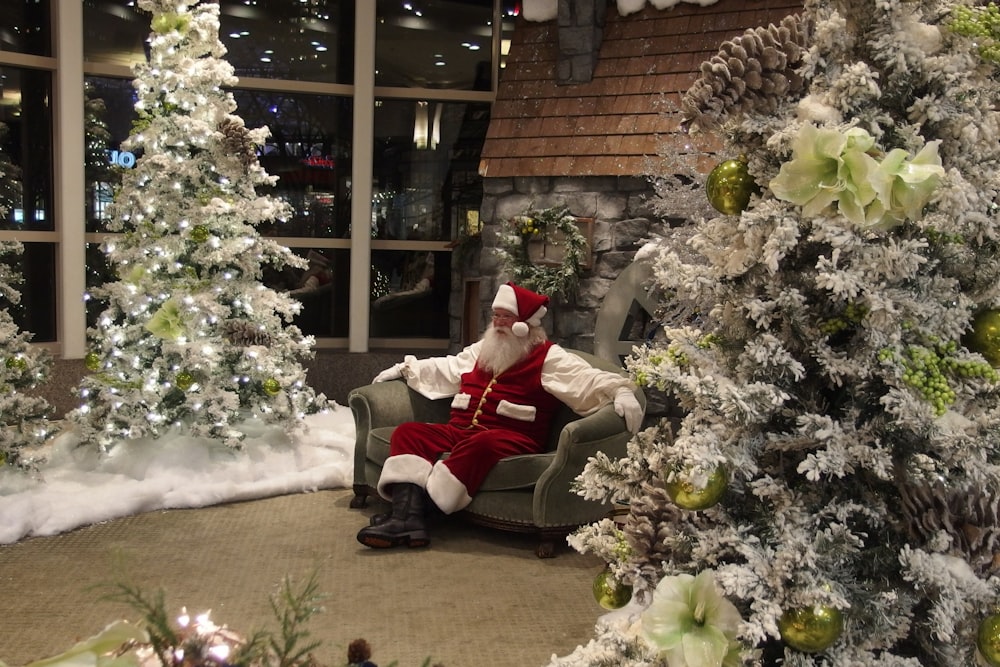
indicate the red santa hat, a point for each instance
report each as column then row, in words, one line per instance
column 530, row 307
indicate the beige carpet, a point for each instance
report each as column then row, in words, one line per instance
column 474, row 598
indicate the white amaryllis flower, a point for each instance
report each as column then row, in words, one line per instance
column 691, row 623
column 101, row 650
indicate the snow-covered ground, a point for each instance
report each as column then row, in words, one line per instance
column 76, row 487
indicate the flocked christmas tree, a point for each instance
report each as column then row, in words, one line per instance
column 832, row 492
column 191, row 339
column 23, row 414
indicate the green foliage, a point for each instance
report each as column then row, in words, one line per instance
column 983, row 25
column 291, row 646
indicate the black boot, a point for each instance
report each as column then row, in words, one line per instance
column 406, row 524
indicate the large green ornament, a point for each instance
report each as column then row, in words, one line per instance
column 988, row 639
column 689, row 497
column 184, row 380
column 811, row 630
column 18, row 363
column 730, row 186
column 92, row 361
column 200, row 233
column 168, row 22
column 272, row 387
column 984, row 337
column 609, row 592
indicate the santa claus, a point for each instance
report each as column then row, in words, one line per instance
column 505, row 389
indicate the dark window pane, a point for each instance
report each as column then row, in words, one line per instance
column 426, row 163
column 443, row 44
column 310, row 40
column 26, row 146
column 309, row 151
column 36, row 311
column 108, row 116
column 98, row 273
column 322, row 288
column 25, row 27
column 410, row 291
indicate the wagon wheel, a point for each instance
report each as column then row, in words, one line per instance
column 626, row 314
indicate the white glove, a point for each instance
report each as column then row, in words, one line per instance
column 627, row 406
column 392, row 373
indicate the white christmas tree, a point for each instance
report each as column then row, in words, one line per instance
column 191, row 339
column 23, row 414
column 832, row 492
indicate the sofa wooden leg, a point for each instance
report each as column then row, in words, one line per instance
column 546, row 547
column 360, row 498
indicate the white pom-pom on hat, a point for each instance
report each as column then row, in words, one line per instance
column 529, row 306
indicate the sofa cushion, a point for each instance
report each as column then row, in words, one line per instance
column 514, row 472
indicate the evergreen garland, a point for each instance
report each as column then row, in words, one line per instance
column 519, row 232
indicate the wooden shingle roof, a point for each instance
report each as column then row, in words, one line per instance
column 614, row 124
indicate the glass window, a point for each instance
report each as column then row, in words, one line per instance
column 36, row 311
column 322, row 288
column 434, row 44
column 275, row 39
column 409, row 294
column 309, row 151
column 25, row 27
column 426, row 164
column 26, row 149
column 108, row 115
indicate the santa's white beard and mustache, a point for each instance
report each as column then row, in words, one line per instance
column 501, row 349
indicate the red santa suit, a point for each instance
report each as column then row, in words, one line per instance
column 492, row 417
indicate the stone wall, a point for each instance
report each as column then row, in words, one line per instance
column 624, row 217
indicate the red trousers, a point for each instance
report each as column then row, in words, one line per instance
column 416, row 447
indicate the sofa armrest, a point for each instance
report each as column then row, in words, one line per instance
column 579, row 440
column 375, row 406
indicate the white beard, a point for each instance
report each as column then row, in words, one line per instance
column 501, row 349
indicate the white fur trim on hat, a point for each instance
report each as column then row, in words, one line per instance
column 505, row 299
column 529, row 307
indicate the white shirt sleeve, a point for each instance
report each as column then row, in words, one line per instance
column 579, row 385
column 440, row 377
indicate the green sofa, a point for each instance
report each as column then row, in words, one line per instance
column 529, row 493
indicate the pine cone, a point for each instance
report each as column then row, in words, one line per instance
column 243, row 333
column 753, row 72
column 969, row 516
column 651, row 521
column 236, row 141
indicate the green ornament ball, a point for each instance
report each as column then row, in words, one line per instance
column 168, row 22
column 272, row 387
column 730, row 186
column 988, row 639
column 200, row 233
column 17, row 363
column 984, row 337
column 184, row 380
column 689, row 497
column 811, row 630
column 610, row 593
column 92, row 361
